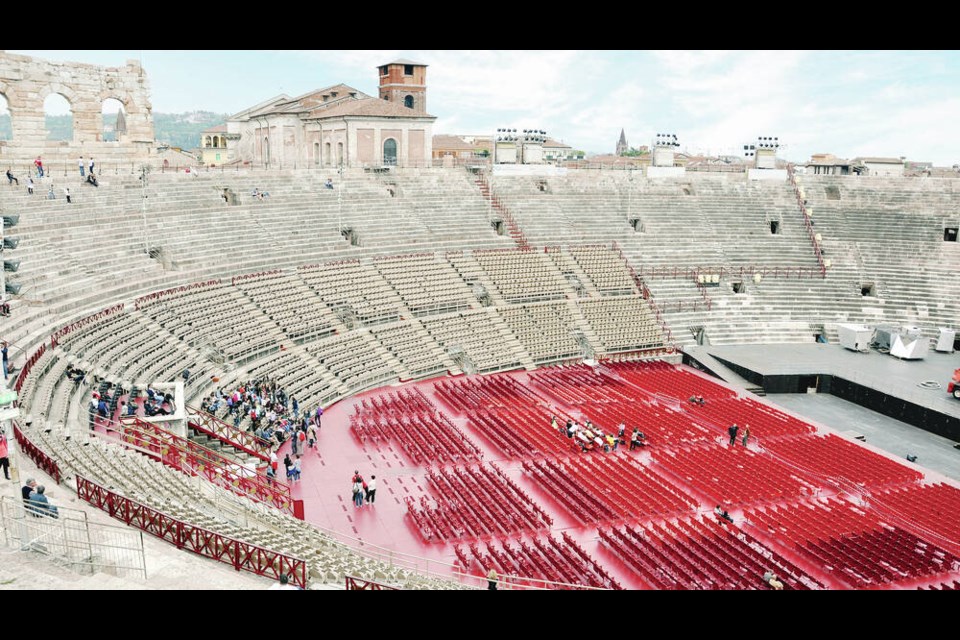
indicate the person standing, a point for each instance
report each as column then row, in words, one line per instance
column 82, row 174
column 38, row 163
column 357, row 494
column 372, row 490
column 92, row 164
column 66, row 192
column 311, row 435
column 492, row 579
column 11, row 179
column 92, row 410
column 6, row 360
column 288, row 465
column 746, row 433
column 733, row 434
column 634, row 439
column 4, row 455
column 30, row 185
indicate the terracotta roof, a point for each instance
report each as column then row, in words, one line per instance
column 880, row 160
column 366, row 107
column 403, row 61
column 453, row 143
column 220, row 128
column 313, row 99
column 555, row 144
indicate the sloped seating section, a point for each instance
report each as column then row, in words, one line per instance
column 577, row 385
column 474, row 502
column 412, row 346
column 539, row 558
column 354, row 291
column 408, row 419
column 835, row 457
column 292, row 305
column 733, row 475
column 856, row 545
column 427, row 284
column 522, row 276
column 665, row 379
column 701, row 554
column 623, row 323
column 606, row 269
column 608, row 487
column 544, row 330
column 476, row 335
column 354, row 358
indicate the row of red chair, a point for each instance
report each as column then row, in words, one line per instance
column 670, row 379
column 765, row 422
column 837, row 457
column 579, row 384
column 474, row 502
column 427, row 436
column 853, row 542
column 661, row 424
column 935, row 507
column 698, row 554
column 733, row 475
column 546, row 558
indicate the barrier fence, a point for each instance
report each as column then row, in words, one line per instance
column 193, row 459
column 241, row 555
column 215, row 428
column 43, row 461
column 71, row 540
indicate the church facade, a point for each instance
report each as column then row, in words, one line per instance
column 340, row 125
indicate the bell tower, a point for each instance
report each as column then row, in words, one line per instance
column 405, row 83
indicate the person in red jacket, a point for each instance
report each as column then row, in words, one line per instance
column 4, row 453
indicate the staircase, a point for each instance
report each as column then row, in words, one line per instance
column 514, row 229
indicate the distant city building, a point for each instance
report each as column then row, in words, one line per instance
column 556, row 151
column 340, row 125
column 888, row 167
column 622, row 146
column 461, row 147
column 213, row 150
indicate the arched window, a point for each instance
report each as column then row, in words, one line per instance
column 339, row 153
column 266, row 151
column 328, row 154
column 216, row 142
column 390, row 151
column 6, row 122
column 113, row 123
column 207, row 142
column 316, row 153
column 58, row 117
column 408, row 102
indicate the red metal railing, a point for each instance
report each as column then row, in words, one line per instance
column 359, row 584
column 515, row 231
column 28, row 365
column 255, row 276
column 241, row 555
column 46, row 464
column 194, row 459
column 228, row 434
column 150, row 298
column 806, row 221
column 91, row 319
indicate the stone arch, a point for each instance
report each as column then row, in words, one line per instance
column 207, row 142
column 6, row 118
column 110, row 121
column 52, row 103
column 391, row 151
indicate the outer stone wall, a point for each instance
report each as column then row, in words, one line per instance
column 26, row 82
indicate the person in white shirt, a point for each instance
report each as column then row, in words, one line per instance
column 372, row 489
column 66, row 192
column 80, row 164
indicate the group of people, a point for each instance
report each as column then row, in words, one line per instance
column 362, row 490
column 590, row 437
column 35, row 500
column 274, row 416
column 697, row 400
column 91, row 179
column 259, row 195
column 734, row 429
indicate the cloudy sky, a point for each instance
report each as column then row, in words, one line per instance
column 850, row 103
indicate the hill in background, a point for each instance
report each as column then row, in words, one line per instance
column 175, row 129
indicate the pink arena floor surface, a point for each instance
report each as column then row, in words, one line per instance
column 470, row 476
